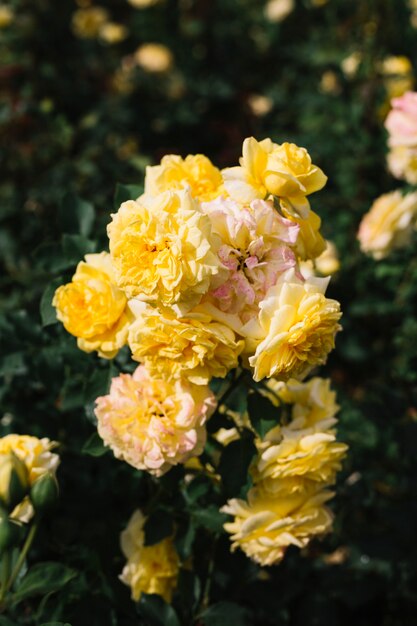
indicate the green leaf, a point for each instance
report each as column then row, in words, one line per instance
column 4, row 621
column 262, row 413
column 94, row 446
column 47, row 311
column 184, row 539
column 224, row 614
column 158, row 612
column 76, row 216
column 43, row 578
column 13, row 364
column 75, row 247
column 126, row 192
column 209, row 517
column 234, row 465
column 158, row 526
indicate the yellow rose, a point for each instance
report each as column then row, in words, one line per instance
column 174, row 172
column 388, row 224
column 93, row 308
column 154, row 58
column 300, row 460
column 149, row 569
column 285, row 171
column 195, row 347
column 310, row 244
column 39, row 460
column 163, row 250
column 154, row 424
column 86, row 23
column 263, row 527
column 402, row 163
column 296, row 328
column 313, row 403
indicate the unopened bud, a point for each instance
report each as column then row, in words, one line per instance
column 14, row 481
column 44, row 493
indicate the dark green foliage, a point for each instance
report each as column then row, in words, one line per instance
column 65, row 134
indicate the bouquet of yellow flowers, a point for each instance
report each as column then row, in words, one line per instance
column 204, row 280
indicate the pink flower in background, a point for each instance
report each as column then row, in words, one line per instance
column 401, row 122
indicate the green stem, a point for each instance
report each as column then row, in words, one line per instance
column 5, row 573
column 19, row 563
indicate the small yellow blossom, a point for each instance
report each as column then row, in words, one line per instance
column 112, row 33
column 142, row 4
column 151, row 423
column 196, row 347
column 154, row 58
column 174, row 172
column 389, row 224
column 402, row 163
column 329, row 83
column 278, row 10
column 285, row 171
column 327, row 263
column 397, row 72
column 93, row 308
column 260, row 105
column 296, row 328
column 6, row 16
column 263, row 527
column 162, row 249
column 351, row 63
column 149, row 569
column 87, row 23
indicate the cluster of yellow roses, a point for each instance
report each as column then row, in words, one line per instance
column 204, row 275
column 291, row 473
column 390, row 222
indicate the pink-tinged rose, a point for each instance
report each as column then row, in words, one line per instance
column 255, row 249
column 401, row 122
column 153, row 424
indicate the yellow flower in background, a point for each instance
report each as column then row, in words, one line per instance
column 149, row 569
column 151, row 423
column 296, row 328
column 329, row 83
column 398, row 77
column 264, row 527
column 310, row 244
column 285, row 171
column 351, row 63
column 196, row 171
column 93, row 308
column 313, row 403
column 162, row 249
column 87, row 22
column 402, row 163
column 142, row 4
column 301, row 459
column 388, row 224
column 278, row 10
column 327, row 263
column 196, row 347
column 154, row 58
column 6, row 16
column 260, row 105
column 112, row 33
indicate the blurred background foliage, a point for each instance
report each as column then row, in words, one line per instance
column 84, row 106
